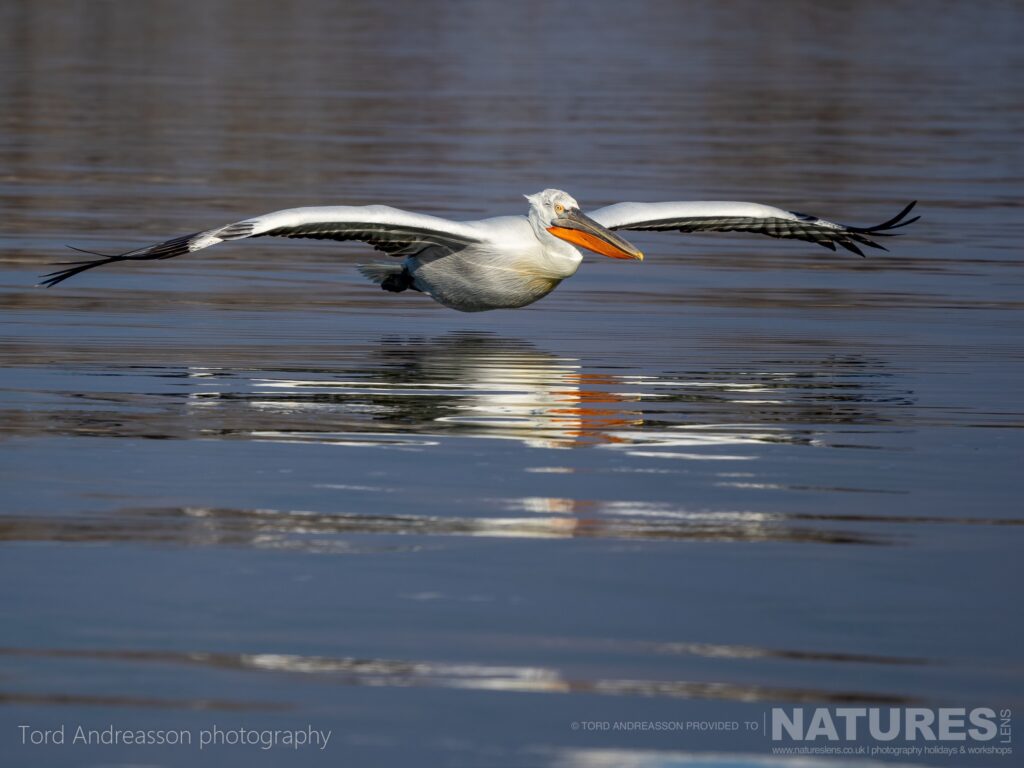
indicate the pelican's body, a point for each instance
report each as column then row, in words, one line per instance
column 509, row 266
column 509, row 261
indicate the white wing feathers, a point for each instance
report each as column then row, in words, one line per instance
column 746, row 217
column 394, row 231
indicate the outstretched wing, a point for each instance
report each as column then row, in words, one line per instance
column 394, row 231
column 746, row 217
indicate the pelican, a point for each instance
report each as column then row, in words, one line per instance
column 509, row 261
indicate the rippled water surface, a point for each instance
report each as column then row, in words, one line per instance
column 247, row 488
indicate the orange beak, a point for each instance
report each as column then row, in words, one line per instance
column 576, row 227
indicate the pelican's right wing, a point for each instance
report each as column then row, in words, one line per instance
column 394, row 231
column 745, row 217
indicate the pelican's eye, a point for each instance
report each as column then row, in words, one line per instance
column 559, row 209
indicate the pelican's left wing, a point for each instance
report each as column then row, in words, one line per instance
column 392, row 230
column 746, row 217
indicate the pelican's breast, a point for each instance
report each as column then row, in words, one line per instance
column 474, row 280
column 508, row 269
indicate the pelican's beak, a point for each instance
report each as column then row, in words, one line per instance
column 579, row 229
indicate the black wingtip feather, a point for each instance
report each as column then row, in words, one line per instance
column 76, row 267
column 851, row 246
column 904, row 223
column 165, row 250
column 59, row 276
column 895, row 222
column 91, row 253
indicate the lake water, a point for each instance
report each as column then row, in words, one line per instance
column 248, row 489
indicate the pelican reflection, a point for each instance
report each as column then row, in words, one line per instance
column 410, row 393
column 475, row 385
column 410, row 390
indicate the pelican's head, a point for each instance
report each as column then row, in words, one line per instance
column 560, row 214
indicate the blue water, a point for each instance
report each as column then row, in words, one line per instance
column 248, row 489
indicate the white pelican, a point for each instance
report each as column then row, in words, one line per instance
column 508, row 261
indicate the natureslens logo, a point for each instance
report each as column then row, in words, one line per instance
column 909, row 724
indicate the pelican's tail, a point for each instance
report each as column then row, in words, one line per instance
column 378, row 273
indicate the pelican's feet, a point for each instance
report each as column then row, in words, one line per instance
column 398, row 282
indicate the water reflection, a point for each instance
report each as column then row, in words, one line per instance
column 653, row 758
column 467, row 384
column 465, row 675
column 407, row 392
column 346, row 533
column 30, row 699
column 351, row 533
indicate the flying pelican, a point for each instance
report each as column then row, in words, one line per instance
column 508, row 261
